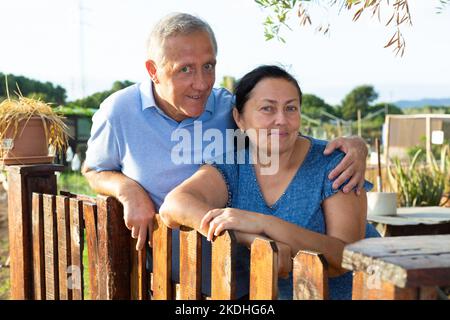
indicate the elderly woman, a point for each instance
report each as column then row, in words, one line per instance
column 295, row 205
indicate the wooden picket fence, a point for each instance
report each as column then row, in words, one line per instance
column 48, row 233
column 62, row 224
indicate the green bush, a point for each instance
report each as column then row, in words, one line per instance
column 419, row 184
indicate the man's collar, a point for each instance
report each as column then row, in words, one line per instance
column 148, row 99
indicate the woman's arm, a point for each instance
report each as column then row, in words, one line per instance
column 345, row 217
column 191, row 200
column 188, row 202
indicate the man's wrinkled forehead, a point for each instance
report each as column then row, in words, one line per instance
column 177, row 47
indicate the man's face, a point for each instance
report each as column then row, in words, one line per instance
column 184, row 81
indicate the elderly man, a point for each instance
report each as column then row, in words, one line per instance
column 130, row 152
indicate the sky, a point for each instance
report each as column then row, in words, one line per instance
column 86, row 45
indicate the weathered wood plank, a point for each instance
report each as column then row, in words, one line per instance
column 76, row 283
column 263, row 270
column 403, row 261
column 90, row 223
column 162, row 260
column 223, row 260
column 64, row 252
column 51, row 248
column 190, row 264
column 23, row 181
column 310, row 276
column 370, row 287
column 138, row 274
column 113, row 245
column 38, row 247
column 397, row 246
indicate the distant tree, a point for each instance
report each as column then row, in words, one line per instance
column 94, row 100
column 32, row 88
column 312, row 106
column 391, row 108
column 358, row 99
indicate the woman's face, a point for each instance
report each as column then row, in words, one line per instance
column 274, row 105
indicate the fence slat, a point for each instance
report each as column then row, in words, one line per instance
column 38, row 247
column 310, row 277
column 51, row 248
column 162, row 260
column 22, row 182
column 90, row 223
column 138, row 275
column 76, row 248
column 263, row 270
column 190, row 264
column 223, row 260
column 64, row 254
column 113, row 250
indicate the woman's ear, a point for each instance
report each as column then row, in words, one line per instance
column 151, row 67
column 237, row 118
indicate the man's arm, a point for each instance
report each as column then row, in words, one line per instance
column 353, row 165
column 138, row 208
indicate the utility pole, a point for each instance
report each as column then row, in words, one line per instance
column 359, row 123
column 81, row 46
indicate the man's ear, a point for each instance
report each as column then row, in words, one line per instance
column 152, row 68
column 237, row 118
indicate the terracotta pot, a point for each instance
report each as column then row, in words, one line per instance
column 29, row 146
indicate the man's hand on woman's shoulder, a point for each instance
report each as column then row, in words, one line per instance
column 352, row 166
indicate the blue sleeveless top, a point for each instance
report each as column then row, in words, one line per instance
column 300, row 204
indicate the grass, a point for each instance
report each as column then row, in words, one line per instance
column 75, row 183
column 4, row 272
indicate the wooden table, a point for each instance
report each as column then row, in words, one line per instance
column 399, row 267
column 413, row 221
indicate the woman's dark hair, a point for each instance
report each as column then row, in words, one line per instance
column 251, row 79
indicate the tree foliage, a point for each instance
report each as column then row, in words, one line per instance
column 94, row 100
column 359, row 98
column 312, row 106
column 46, row 91
column 399, row 15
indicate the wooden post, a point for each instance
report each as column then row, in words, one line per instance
column 428, row 137
column 190, row 264
column 162, row 260
column 223, row 260
column 22, row 182
column 263, row 270
column 310, row 276
column 386, row 141
column 113, row 250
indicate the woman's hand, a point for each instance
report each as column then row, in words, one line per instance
column 219, row 220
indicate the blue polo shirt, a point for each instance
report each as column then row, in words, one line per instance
column 131, row 134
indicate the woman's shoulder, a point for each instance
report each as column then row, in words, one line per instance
column 316, row 155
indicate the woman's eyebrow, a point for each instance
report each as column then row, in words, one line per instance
column 275, row 101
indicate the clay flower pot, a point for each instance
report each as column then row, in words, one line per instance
column 28, row 128
column 28, row 146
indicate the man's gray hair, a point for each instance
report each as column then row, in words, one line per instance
column 172, row 25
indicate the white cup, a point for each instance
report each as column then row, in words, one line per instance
column 381, row 203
